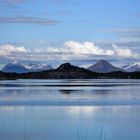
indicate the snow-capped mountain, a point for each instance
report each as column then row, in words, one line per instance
column 38, row 67
column 17, row 67
column 132, row 67
column 103, row 66
column 14, row 67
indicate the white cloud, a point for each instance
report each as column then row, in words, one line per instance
column 9, row 49
column 83, row 48
column 123, row 52
column 69, row 51
column 80, row 48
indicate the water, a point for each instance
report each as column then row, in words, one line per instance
column 70, row 110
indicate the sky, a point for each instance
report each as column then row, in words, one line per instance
column 76, row 31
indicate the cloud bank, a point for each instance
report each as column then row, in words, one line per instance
column 69, row 51
column 11, row 49
column 89, row 48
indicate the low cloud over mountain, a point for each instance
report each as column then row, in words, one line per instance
column 69, row 51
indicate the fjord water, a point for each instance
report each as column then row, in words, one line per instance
column 70, row 109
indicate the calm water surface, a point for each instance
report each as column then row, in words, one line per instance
column 70, row 110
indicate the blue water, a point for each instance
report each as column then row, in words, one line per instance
column 70, row 110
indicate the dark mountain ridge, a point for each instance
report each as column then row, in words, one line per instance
column 68, row 71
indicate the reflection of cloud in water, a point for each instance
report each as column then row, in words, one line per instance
column 115, row 109
column 82, row 110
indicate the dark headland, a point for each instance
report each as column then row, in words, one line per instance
column 68, row 71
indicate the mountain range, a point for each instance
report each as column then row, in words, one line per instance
column 38, row 67
column 102, row 66
column 16, row 67
column 68, row 71
column 133, row 67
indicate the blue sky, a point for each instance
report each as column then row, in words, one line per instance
column 56, row 28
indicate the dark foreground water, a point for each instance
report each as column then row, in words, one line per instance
column 70, row 110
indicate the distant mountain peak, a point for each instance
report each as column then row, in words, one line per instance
column 37, row 67
column 14, row 67
column 17, row 67
column 103, row 63
column 103, row 66
column 66, row 66
column 15, row 62
column 133, row 67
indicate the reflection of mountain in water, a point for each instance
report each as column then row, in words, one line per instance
column 102, row 91
column 102, row 94
column 66, row 92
